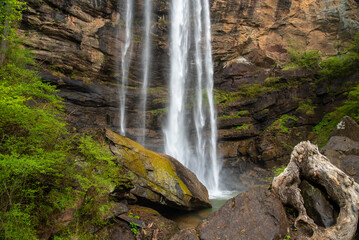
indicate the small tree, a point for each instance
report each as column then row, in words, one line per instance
column 10, row 14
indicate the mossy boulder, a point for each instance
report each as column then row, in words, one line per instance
column 157, row 178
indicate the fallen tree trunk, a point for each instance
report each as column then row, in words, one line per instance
column 308, row 163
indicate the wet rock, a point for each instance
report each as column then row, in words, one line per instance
column 255, row 214
column 158, row 178
column 317, row 206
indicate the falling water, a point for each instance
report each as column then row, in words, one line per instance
column 146, row 58
column 215, row 166
column 176, row 139
column 125, row 61
column 202, row 160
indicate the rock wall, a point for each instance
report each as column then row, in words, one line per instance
column 75, row 43
column 262, row 30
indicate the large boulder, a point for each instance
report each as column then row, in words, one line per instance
column 139, row 223
column 256, row 214
column 342, row 148
column 157, row 178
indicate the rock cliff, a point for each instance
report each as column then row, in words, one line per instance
column 75, row 43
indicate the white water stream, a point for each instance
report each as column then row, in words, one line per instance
column 125, row 63
column 190, row 131
column 146, row 61
column 197, row 152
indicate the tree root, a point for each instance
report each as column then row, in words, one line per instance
column 308, row 163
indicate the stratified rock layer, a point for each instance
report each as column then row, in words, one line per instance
column 158, row 178
column 261, row 31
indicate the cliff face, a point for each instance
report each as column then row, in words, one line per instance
column 78, row 42
column 262, row 30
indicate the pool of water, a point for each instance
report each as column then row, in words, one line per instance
column 192, row 219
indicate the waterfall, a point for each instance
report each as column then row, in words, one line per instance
column 146, row 58
column 197, row 152
column 125, row 62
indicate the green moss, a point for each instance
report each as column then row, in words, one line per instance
column 243, row 113
column 242, row 127
column 307, row 107
column 138, row 159
column 280, row 125
column 271, row 81
column 159, row 112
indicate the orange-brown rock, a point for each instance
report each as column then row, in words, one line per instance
column 261, row 31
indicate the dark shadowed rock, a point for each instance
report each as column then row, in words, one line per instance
column 255, row 214
column 149, row 225
column 186, row 234
column 342, row 148
column 158, row 178
column 317, row 206
column 347, row 127
column 344, row 153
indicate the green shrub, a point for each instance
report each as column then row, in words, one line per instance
column 350, row 107
column 307, row 107
column 44, row 168
column 280, row 125
column 342, row 65
column 303, row 59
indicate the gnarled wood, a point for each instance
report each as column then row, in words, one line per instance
column 308, row 163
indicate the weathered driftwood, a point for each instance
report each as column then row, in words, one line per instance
column 308, row 163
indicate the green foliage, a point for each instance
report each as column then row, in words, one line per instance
column 253, row 90
column 243, row 113
column 351, row 108
column 342, row 65
column 10, row 14
column 44, row 168
column 280, row 125
column 277, row 171
column 134, row 227
column 303, row 59
column 287, row 237
column 307, row 107
column 239, row 114
column 271, row 81
column 242, row 127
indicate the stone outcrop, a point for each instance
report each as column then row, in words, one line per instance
column 158, row 179
column 342, row 148
column 260, row 31
column 256, row 214
column 307, row 163
column 150, row 225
